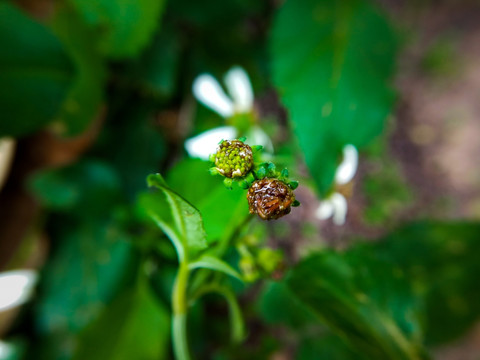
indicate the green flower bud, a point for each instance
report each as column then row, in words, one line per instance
column 270, row 198
column 269, row 259
column 249, row 269
column 233, row 158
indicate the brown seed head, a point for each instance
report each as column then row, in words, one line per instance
column 270, row 198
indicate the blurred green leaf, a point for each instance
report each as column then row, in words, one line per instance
column 134, row 326
column 213, row 13
column 277, row 305
column 86, row 270
column 441, row 260
column 156, row 71
column 329, row 347
column 213, row 263
column 90, row 188
column 125, row 26
column 180, row 220
column 139, row 147
column 219, row 34
column 91, row 252
column 363, row 300
column 86, row 95
column 35, row 73
column 181, row 175
column 224, row 211
column 334, row 82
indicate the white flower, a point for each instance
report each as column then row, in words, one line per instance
column 6, row 350
column 208, row 91
column 335, row 205
column 205, row 144
column 16, row 287
column 201, row 146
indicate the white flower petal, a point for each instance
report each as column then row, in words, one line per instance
column 256, row 136
column 208, row 91
column 347, row 169
column 240, row 88
column 6, row 350
column 340, row 208
column 7, row 150
column 325, row 210
column 16, row 287
column 204, row 144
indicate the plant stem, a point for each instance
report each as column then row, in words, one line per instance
column 179, row 320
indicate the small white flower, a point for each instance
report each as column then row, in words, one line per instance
column 335, row 205
column 16, row 287
column 204, row 144
column 348, row 167
column 6, row 350
column 208, row 91
column 240, row 88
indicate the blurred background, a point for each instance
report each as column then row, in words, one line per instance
column 94, row 96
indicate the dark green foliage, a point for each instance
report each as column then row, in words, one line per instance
column 35, row 73
column 85, row 96
column 441, row 262
column 134, row 326
column 365, row 301
column 119, row 38
column 334, row 81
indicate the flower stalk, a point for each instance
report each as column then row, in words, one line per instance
column 180, row 307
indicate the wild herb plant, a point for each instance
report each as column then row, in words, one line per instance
column 269, row 194
column 221, row 98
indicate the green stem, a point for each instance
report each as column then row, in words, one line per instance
column 236, row 320
column 179, row 320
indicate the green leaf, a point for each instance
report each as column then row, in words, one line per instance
column 87, row 269
column 86, row 95
column 88, row 188
column 155, row 206
column 363, row 300
column 134, row 326
column 441, row 260
column 35, row 73
column 223, row 210
column 213, row 263
column 139, row 146
column 125, row 26
column 277, row 305
column 335, row 81
column 180, row 220
column 156, row 71
column 328, row 347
